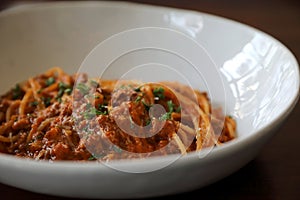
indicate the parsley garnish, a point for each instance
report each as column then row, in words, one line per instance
column 147, row 106
column 34, row 103
column 83, row 88
column 16, row 92
column 159, row 92
column 168, row 114
column 165, row 116
column 102, row 110
column 60, row 93
column 137, row 89
column 178, row 109
column 92, row 157
column 50, row 81
column 91, row 111
column 95, row 157
column 94, row 83
column 62, row 85
column 63, row 88
column 46, row 100
column 170, row 106
column 68, row 91
column 148, row 121
column 138, row 99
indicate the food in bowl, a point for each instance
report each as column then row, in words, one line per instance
column 56, row 116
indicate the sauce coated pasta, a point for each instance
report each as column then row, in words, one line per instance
column 56, row 116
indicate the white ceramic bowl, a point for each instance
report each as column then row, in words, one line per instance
column 260, row 78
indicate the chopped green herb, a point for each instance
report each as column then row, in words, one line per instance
column 159, row 92
column 165, row 116
column 138, row 99
column 94, row 83
column 34, row 103
column 90, row 132
column 137, row 89
column 88, row 115
column 170, row 106
column 99, row 112
column 96, row 157
column 148, row 121
column 178, row 110
column 168, row 114
column 86, row 128
column 91, row 111
column 62, row 85
column 46, row 100
column 147, row 106
column 92, row 157
column 16, row 92
column 60, row 93
column 68, row 91
column 63, row 88
column 88, row 106
column 102, row 109
column 83, row 88
column 50, row 81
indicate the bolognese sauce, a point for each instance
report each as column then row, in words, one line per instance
column 56, row 116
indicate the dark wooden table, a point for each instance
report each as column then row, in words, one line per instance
column 275, row 173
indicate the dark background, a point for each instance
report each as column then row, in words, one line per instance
column 275, row 172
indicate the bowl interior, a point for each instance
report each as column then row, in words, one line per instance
column 250, row 74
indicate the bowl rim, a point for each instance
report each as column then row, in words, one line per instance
column 218, row 152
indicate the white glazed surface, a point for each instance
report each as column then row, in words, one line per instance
column 260, row 76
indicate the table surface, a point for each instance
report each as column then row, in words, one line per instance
column 275, row 172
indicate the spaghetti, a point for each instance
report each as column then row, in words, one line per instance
column 56, row 116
